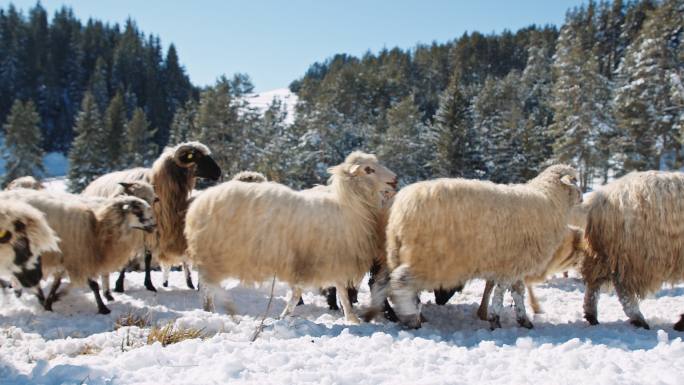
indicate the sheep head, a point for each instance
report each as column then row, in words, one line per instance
column 250, row 177
column 367, row 172
column 20, row 257
column 562, row 176
column 196, row 157
column 139, row 189
column 137, row 213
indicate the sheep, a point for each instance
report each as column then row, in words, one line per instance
column 24, row 236
column 173, row 176
column 570, row 253
column 96, row 237
column 25, row 182
column 635, row 234
column 446, row 231
column 147, row 241
column 249, row 176
column 255, row 231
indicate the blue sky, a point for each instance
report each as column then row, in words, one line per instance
column 276, row 41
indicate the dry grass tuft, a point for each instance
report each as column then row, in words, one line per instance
column 133, row 319
column 171, row 334
column 88, row 349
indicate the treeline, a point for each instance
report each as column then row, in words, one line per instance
column 604, row 93
column 54, row 63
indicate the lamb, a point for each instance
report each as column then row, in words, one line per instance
column 444, row 232
column 24, row 236
column 256, row 231
column 570, row 253
column 96, row 237
column 147, row 241
column 173, row 176
column 635, row 233
column 25, row 182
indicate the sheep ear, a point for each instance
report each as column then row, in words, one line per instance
column 126, row 185
column 569, row 180
column 354, row 170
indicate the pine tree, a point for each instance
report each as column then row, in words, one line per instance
column 98, row 85
column 23, row 153
column 115, row 129
column 457, row 151
column 183, row 125
column 645, row 105
column 86, row 157
column 404, row 149
column 140, row 148
column 582, row 111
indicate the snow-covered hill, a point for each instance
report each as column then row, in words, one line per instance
column 263, row 100
column 73, row 345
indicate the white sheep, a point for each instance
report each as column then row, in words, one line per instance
column 635, row 234
column 173, row 176
column 444, row 232
column 24, row 236
column 25, row 182
column 95, row 237
column 254, row 231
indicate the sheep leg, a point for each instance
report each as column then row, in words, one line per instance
column 292, row 302
column 591, row 298
column 497, row 306
column 630, row 304
column 679, row 326
column 349, row 315
column 379, row 283
column 101, row 308
column 330, row 294
column 40, row 296
column 119, row 286
column 104, row 280
column 52, row 296
column 403, row 295
column 148, row 268
column 187, row 269
column 536, row 307
column 165, row 274
column 518, row 293
column 484, row 303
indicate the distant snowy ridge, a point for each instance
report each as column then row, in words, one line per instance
column 262, row 100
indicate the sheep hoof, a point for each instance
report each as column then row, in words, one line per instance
column 188, row 282
column 17, row 293
column 679, row 326
column 108, row 296
column 422, row 318
column 495, row 322
column 103, row 310
column 165, row 284
column 639, row 323
column 525, row 322
column 591, row 318
column 412, row 322
column 482, row 314
column 119, row 289
column 352, row 319
column 149, row 286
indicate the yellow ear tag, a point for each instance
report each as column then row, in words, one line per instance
column 3, row 233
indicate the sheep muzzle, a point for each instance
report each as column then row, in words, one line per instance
column 208, row 168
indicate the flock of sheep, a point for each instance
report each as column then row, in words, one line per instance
column 430, row 235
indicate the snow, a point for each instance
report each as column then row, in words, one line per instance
column 262, row 100
column 74, row 345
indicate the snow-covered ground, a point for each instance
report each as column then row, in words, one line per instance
column 74, row 345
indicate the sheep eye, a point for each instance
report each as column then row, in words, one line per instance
column 369, row 170
column 156, row 199
column 5, row 236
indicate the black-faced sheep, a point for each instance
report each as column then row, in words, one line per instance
column 173, row 176
column 24, row 236
column 448, row 231
column 635, row 234
column 254, row 231
column 95, row 238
